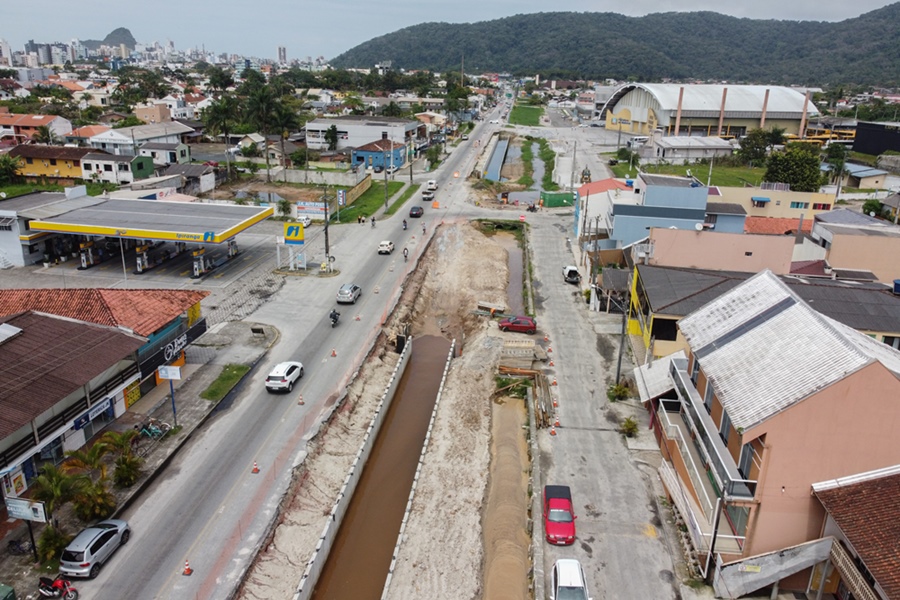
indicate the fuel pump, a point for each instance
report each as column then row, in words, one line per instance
column 180, row 247
column 232, row 248
column 142, row 259
column 200, row 266
column 87, row 255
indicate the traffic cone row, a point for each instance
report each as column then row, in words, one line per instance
column 187, row 568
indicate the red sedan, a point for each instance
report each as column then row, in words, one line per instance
column 521, row 324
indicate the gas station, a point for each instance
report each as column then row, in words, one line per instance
column 148, row 226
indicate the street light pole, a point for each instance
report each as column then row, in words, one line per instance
column 327, row 248
column 384, row 170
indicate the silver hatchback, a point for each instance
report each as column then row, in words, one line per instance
column 349, row 293
column 84, row 555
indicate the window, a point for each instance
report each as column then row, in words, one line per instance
column 107, row 168
column 75, row 163
column 725, row 427
column 53, row 161
column 123, row 166
column 29, row 161
column 746, row 460
column 708, row 396
column 87, row 166
column 799, row 204
column 695, row 368
column 893, row 342
column 821, row 206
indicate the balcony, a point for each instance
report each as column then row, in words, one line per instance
column 706, row 438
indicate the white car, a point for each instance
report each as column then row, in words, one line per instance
column 567, row 581
column 426, row 195
column 283, row 376
column 304, row 220
column 385, row 247
column 431, row 186
column 392, row 169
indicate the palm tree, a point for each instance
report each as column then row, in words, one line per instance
column 128, row 466
column 260, row 111
column 87, row 461
column 284, row 120
column 9, row 168
column 219, row 117
column 54, row 488
column 43, row 135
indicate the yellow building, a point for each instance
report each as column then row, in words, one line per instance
column 50, row 162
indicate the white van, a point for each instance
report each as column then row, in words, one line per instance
column 638, row 140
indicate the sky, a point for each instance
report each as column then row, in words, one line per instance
column 329, row 27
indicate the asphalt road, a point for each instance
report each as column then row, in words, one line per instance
column 210, row 509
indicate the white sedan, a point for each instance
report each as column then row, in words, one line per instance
column 385, row 247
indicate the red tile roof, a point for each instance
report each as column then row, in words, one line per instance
column 601, row 186
column 88, row 131
column 380, row 146
column 775, row 225
column 51, row 358
column 142, row 311
column 867, row 514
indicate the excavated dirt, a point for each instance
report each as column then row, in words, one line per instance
column 442, row 555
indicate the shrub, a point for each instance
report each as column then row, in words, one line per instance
column 617, row 392
column 127, row 471
column 629, row 427
column 51, row 543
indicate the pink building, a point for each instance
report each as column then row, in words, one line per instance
column 770, row 398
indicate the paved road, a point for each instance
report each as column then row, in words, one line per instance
column 209, row 508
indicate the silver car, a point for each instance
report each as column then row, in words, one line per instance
column 349, row 293
column 84, row 555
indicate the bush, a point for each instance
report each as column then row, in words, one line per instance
column 629, row 427
column 617, row 392
column 128, row 470
column 51, row 543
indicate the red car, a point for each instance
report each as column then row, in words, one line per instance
column 520, row 324
column 559, row 517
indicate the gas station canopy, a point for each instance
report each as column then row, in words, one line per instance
column 157, row 220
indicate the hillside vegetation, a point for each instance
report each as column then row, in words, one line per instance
column 697, row 45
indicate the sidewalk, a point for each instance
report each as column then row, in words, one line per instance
column 231, row 342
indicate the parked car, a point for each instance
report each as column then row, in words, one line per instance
column 571, row 274
column 385, row 247
column 567, row 581
column 559, row 516
column 521, row 324
column 377, row 169
column 427, row 195
column 392, row 169
column 304, row 220
column 349, row 293
column 465, row 136
column 283, row 376
column 91, row 548
column 416, row 211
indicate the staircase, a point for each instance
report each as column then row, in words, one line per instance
column 742, row 577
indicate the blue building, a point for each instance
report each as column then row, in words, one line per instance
column 382, row 153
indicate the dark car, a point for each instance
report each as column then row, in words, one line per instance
column 377, row 168
column 416, row 211
column 521, row 324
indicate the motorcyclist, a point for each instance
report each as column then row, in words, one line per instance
column 334, row 315
column 405, row 254
column 404, row 224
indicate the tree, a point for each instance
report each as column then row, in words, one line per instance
column 754, row 146
column 9, row 169
column 836, row 157
column 284, row 120
column 43, row 135
column 873, row 206
column 331, row 136
column 433, row 154
column 54, row 488
column 87, row 462
column 797, row 166
column 219, row 79
column 219, row 117
column 392, row 110
column 260, row 109
column 129, row 121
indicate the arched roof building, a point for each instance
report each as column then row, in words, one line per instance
column 715, row 109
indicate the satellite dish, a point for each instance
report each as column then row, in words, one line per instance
column 872, row 214
column 698, row 226
column 3, row 195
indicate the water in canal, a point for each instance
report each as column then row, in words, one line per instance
column 358, row 563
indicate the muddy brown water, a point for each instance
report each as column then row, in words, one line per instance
column 516, row 272
column 358, row 563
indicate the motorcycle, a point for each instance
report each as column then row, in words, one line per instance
column 404, row 224
column 531, row 208
column 334, row 316
column 57, row 588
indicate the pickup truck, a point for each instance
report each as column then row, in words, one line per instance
column 559, row 516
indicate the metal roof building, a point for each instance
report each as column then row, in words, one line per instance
column 703, row 110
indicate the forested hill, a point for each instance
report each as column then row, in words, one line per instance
column 699, row 45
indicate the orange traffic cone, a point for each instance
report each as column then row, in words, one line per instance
column 255, row 468
column 549, row 349
column 187, row 568
column 300, row 400
column 546, row 338
column 556, row 422
column 333, row 353
column 551, row 363
column 553, row 430
column 555, row 404
column 554, row 381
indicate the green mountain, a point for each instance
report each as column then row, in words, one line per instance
column 118, row 36
column 696, row 45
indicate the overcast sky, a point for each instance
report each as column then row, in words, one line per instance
column 329, row 27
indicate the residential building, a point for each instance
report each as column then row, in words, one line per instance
column 19, row 128
column 855, row 242
column 380, row 153
column 166, row 154
column 681, row 149
column 116, row 169
column 770, row 398
column 770, row 200
column 58, row 163
column 82, row 135
column 661, row 296
column 153, row 112
column 127, row 140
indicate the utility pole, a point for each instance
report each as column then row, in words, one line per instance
column 327, row 249
column 385, row 180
